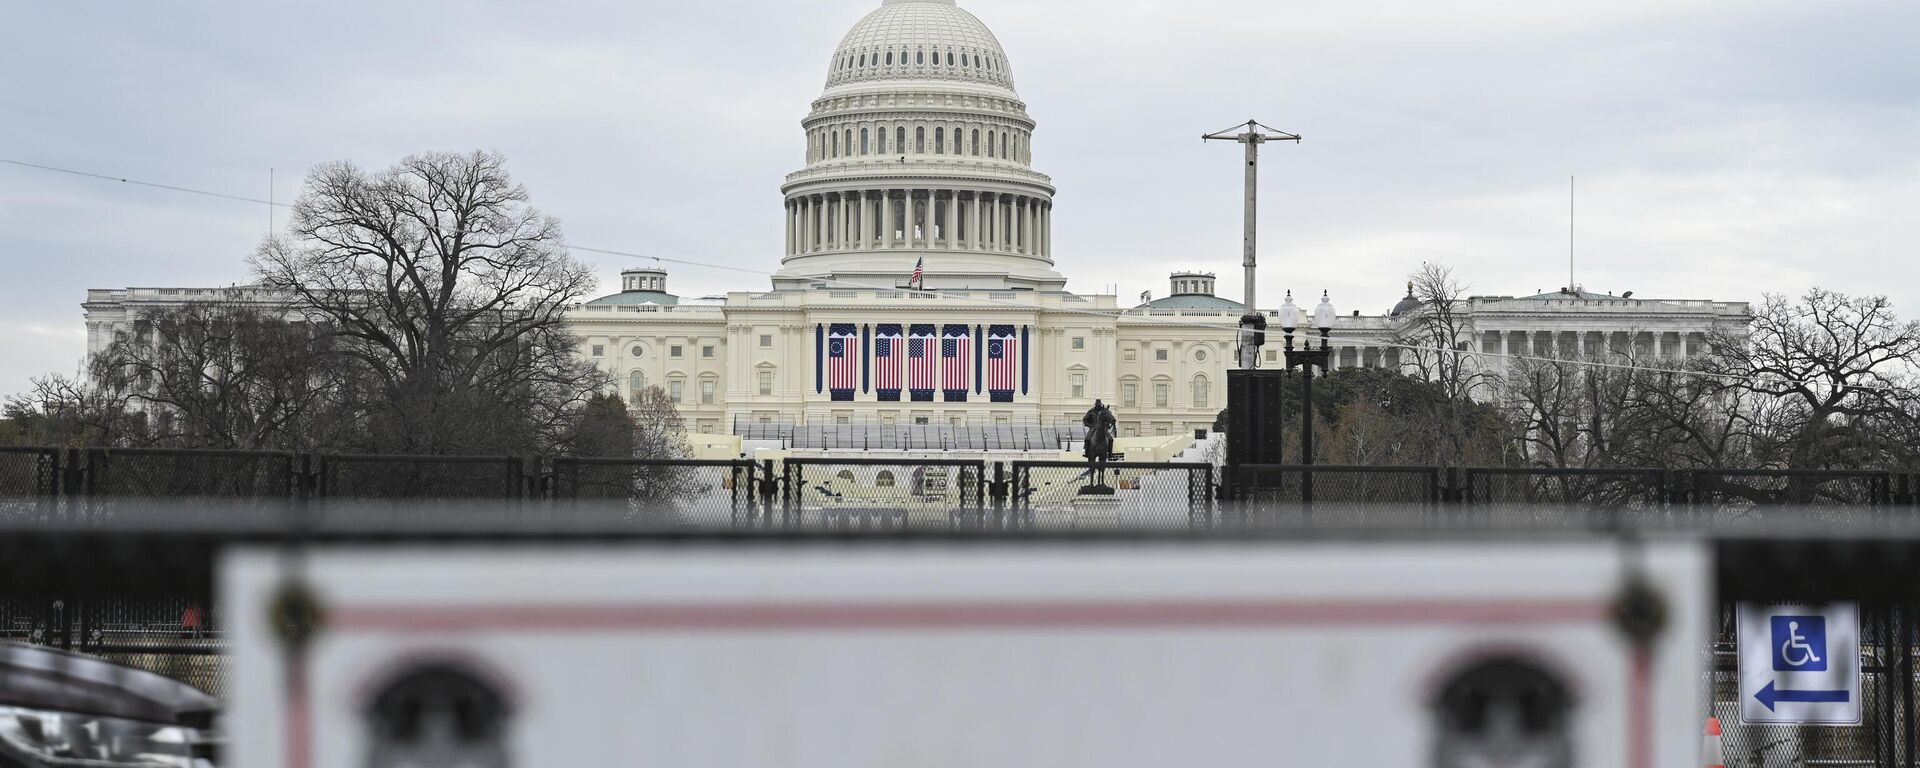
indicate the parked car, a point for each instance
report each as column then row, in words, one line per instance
column 61, row 709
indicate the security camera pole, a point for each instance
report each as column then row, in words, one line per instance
column 1252, row 134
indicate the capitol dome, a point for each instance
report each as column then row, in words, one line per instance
column 920, row 40
column 919, row 152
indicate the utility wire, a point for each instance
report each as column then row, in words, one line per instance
column 1370, row 342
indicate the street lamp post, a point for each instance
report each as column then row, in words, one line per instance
column 1307, row 358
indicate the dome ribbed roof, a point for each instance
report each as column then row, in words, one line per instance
column 920, row 40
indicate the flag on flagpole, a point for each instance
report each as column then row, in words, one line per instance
column 919, row 273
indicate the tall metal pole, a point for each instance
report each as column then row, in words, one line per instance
column 1250, row 217
column 1252, row 134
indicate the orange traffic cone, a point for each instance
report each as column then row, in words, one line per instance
column 1711, row 754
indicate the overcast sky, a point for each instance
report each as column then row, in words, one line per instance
column 1723, row 149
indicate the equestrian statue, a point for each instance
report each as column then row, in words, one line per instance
column 1102, row 428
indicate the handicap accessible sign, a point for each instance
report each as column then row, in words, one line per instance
column 1799, row 663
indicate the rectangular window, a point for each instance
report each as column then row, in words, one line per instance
column 842, row 417
column 1079, row 383
column 1272, row 356
column 1079, row 342
column 707, row 387
column 920, row 420
column 1160, row 355
column 766, row 340
column 706, row 352
column 707, row 426
column 599, row 350
column 1201, row 393
column 1160, row 396
column 766, row 382
column 673, row 351
column 675, row 390
column 1129, row 395
column 1130, row 355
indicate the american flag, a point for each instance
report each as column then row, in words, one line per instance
column 886, row 361
column 843, row 360
column 919, row 273
column 956, row 354
column 923, row 365
column 1003, row 367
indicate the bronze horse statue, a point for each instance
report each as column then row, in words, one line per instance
column 1102, row 428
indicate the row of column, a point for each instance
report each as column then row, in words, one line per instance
column 992, row 221
column 1545, row 343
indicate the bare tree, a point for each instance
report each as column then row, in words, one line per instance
column 226, row 374
column 1434, row 337
column 68, row 412
column 446, row 289
column 1841, row 374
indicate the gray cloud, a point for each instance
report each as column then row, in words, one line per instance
column 1723, row 148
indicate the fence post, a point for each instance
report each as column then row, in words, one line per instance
column 1206, row 498
column 999, row 492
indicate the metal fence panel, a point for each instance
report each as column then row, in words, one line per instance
column 1335, row 495
column 421, row 477
column 181, row 473
column 29, row 482
column 883, row 494
column 1557, row 497
column 1122, row 495
column 1817, row 496
column 677, row 493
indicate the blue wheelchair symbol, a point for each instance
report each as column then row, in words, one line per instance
column 1799, row 643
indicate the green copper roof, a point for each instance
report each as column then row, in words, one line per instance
column 1192, row 301
column 638, row 297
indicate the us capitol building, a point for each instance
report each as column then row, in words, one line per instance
column 919, row 153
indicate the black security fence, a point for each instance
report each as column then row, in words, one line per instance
column 887, row 494
column 671, row 493
column 1600, row 498
column 1118, row 495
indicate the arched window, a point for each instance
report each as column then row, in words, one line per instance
column 919, row 57
column 1202, row 391
column 866, row 144
column 900, row 139
column 863, row 59
column 920, row 141
column 845, row 475
column 976, row 142
column 949, row 58
column 836, row 145
column 849, row 144
column 939, row 141
column 884, row 479
column 1003, row 145
column 636, row 385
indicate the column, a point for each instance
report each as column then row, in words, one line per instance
column 886, row 218
column 859, row 221
column 953, row 220
column 1030, row 211
column 1658, row 338
column 846, row 219
column 787, row 209
column 824, row 210
column 1046, row 229
column 806, row 223
column 1580, row 344
column 1686, row 350
column 973, row 222
column 1503, row 342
